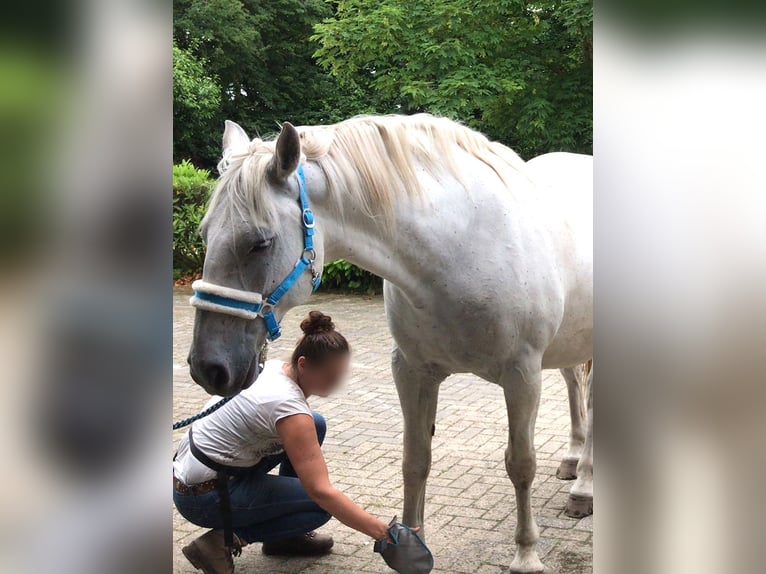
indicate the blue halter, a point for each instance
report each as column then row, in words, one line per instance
column 249, row 305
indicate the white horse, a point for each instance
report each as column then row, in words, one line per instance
column 487, row 264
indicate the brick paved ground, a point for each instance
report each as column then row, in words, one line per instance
column 470, row 509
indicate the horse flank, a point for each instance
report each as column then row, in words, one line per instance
column 367, row 160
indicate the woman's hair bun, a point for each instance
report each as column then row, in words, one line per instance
column 317, row 322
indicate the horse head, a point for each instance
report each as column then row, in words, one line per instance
column 255, row 228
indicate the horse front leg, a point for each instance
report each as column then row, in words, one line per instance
column 574, row 378
column 418, row 388
column 580, row 502
column 522, row 385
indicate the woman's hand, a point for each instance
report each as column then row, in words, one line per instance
column 384, row 533
column 381, row 531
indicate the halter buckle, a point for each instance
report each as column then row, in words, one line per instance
column 308, row 218
column 266, row 308
column 312, row 255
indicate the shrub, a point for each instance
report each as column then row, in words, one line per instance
column 191, row 189
column 341, row 274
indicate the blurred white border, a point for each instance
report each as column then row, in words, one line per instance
column 680, row 172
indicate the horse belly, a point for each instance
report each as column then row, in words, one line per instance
column 572, row 346
column 464, row 337
column 430, row 337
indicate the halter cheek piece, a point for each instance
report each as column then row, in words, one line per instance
column 250, row 305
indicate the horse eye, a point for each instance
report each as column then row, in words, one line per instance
column 261, row 245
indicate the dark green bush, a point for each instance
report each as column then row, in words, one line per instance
column 191, row 190
column 341, row 274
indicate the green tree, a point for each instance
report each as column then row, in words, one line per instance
column 519, row 71
column 262, row 55
column 196, row 100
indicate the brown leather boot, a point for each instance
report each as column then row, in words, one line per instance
column 309, row 544
column 209, row 554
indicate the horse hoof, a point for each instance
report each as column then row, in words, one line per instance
column 526, row 562
column 567, row 469
column 579, row 506
column 537, row 569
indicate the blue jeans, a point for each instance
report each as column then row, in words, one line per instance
column 264, row 507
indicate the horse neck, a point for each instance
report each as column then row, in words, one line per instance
column 388, row 249
column 363, row 242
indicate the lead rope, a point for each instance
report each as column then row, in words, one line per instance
column 211, row 409
column 201, row 415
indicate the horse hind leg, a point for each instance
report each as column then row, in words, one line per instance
column 418, row 389
column 580, row 502
column 575, row 379
column 522, row 385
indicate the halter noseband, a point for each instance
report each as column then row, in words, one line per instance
column 250, row 305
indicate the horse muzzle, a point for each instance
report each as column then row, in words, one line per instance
column 217, row 377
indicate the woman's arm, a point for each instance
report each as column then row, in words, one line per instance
column 299, row 438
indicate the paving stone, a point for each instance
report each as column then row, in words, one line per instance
column 566, row 534
column 470, row 508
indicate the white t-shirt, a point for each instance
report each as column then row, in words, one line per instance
column 243, row 431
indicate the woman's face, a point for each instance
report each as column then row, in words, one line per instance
column 323, row 378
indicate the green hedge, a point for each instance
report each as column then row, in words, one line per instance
column 344, row 276
column 191, row 190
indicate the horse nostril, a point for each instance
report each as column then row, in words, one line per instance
column 216, row 375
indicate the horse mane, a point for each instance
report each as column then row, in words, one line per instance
column 369, row 161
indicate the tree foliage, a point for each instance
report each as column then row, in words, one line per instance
column 519, row 71
column 196, row 101
column 262, row 56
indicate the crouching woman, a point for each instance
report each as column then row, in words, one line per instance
column 269, row 424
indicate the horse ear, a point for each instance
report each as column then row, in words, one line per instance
column 233, row 136
column 288, row 152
